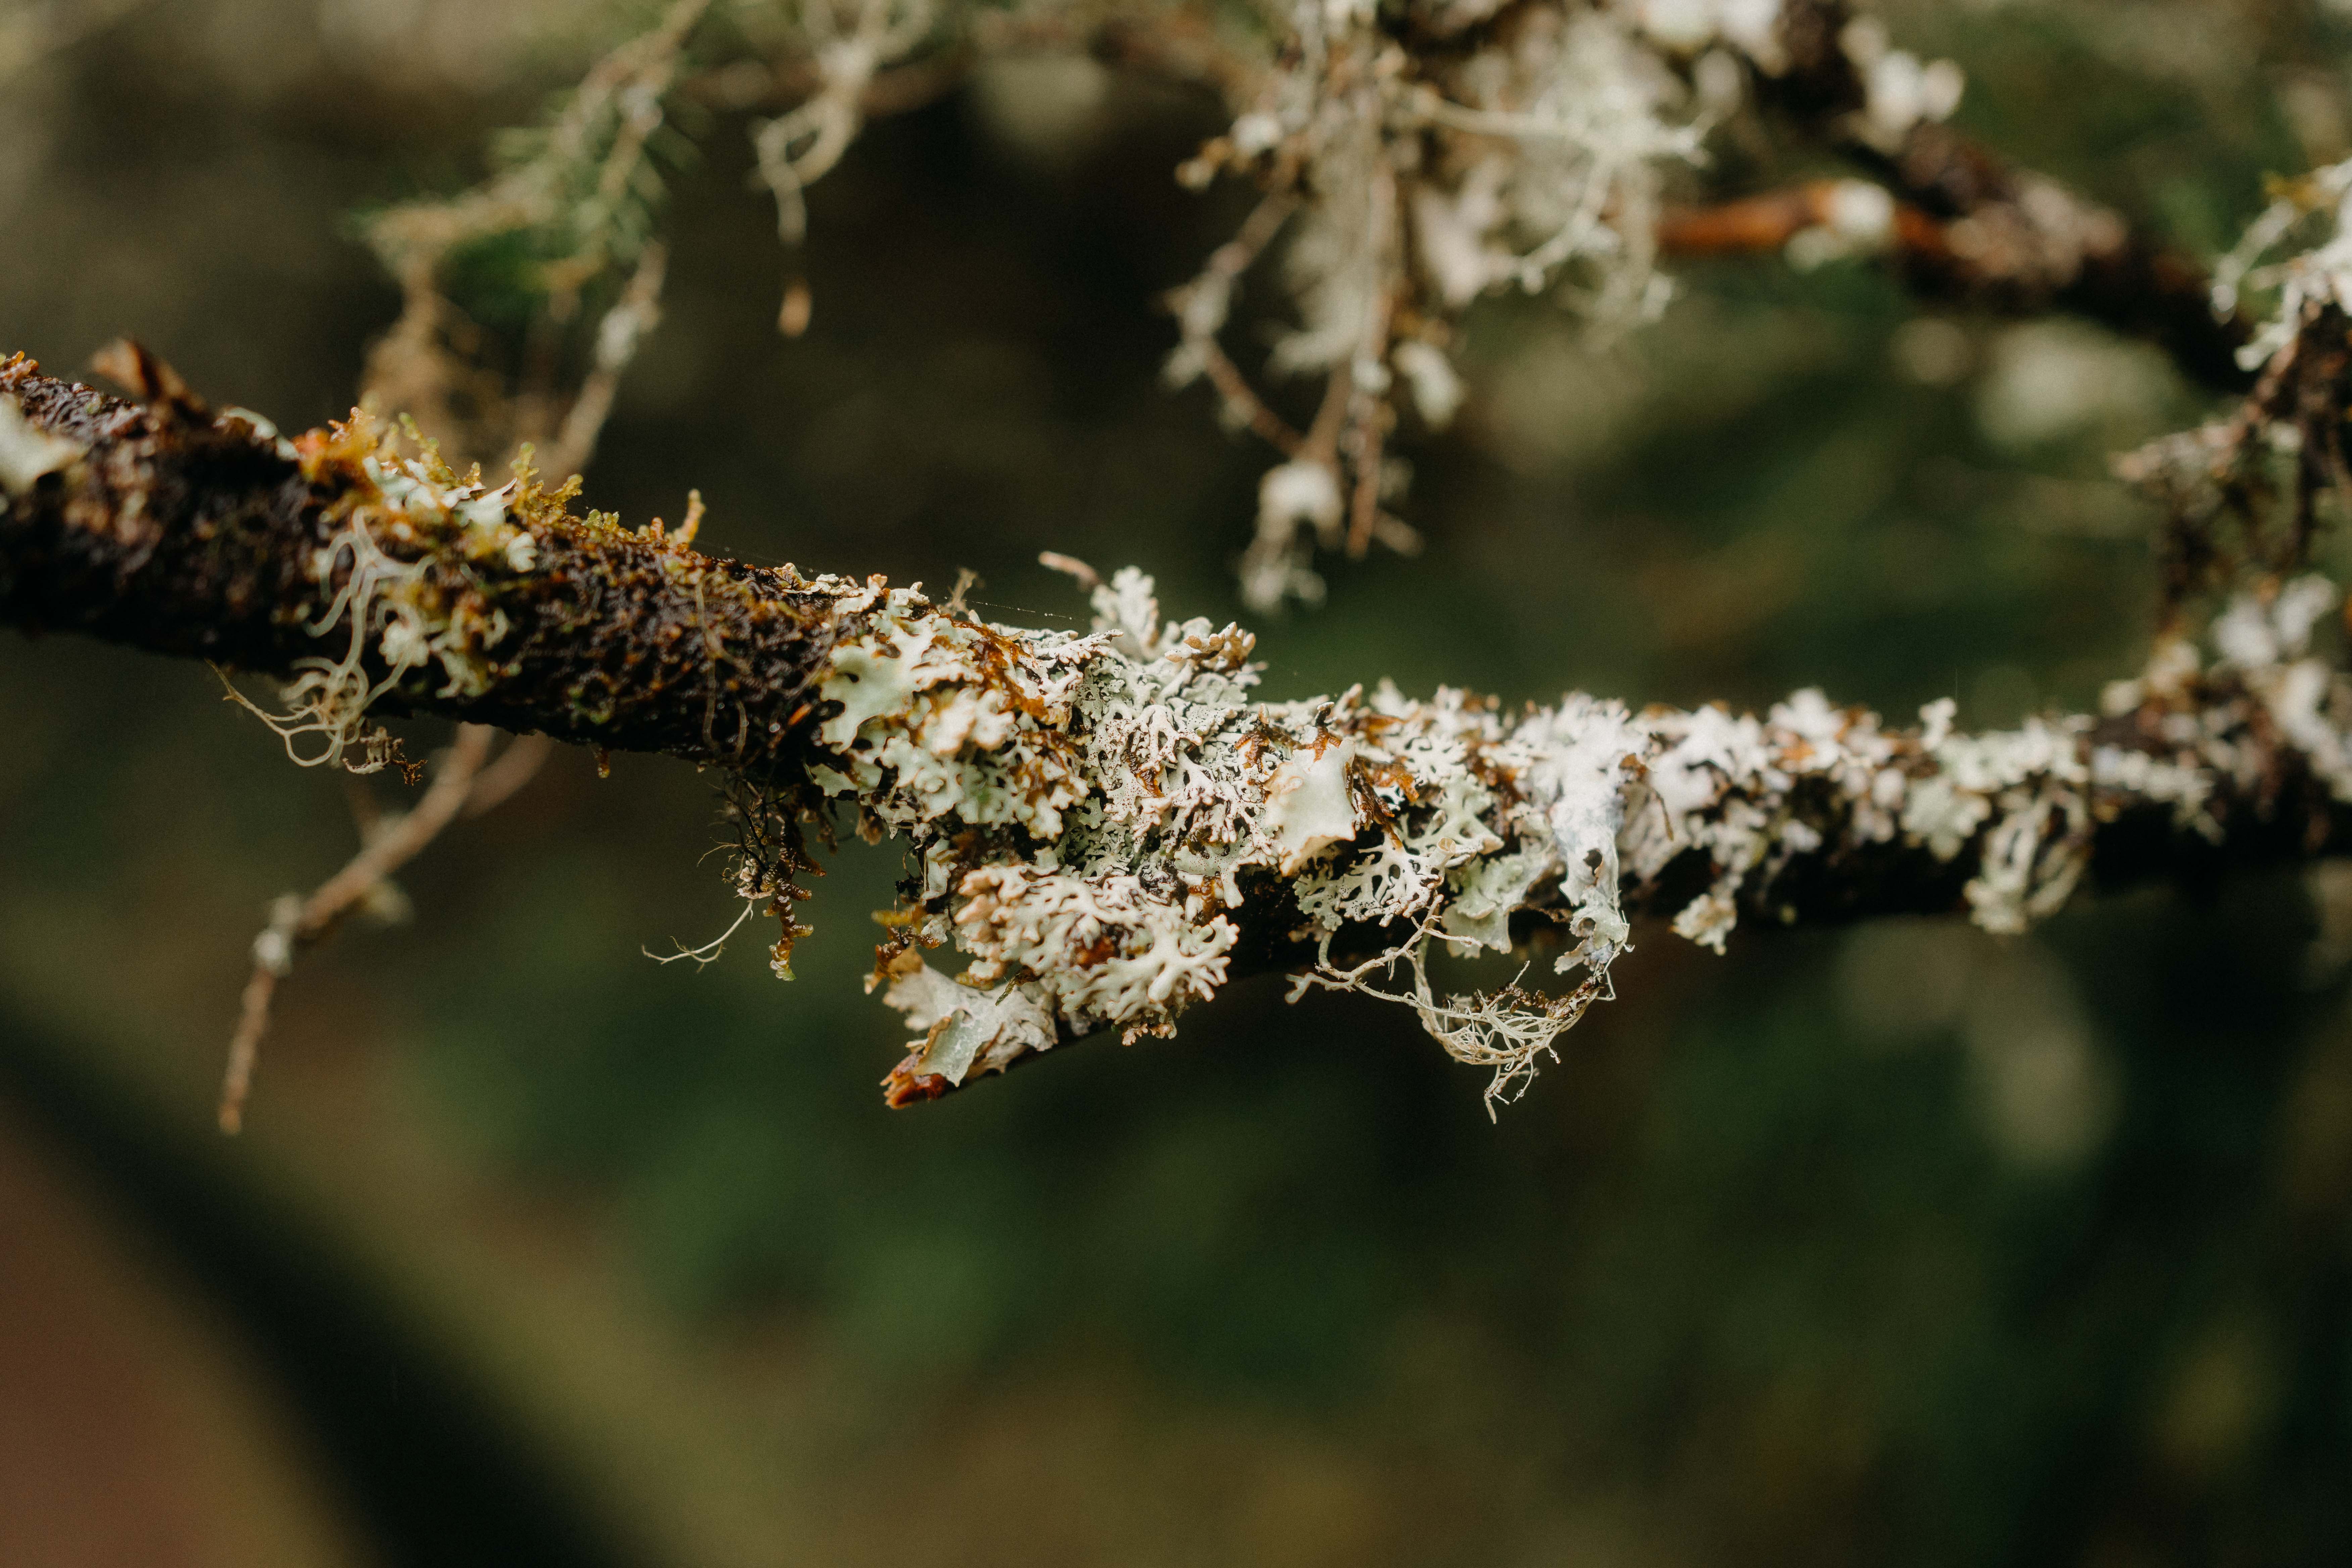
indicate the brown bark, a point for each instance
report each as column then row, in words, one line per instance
column 177, row 534
column 1981, row 231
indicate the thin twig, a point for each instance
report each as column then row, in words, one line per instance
column 1222, row 271
column 515, row 766
column 299, row 922
column 1242, row 400
column 625, row 326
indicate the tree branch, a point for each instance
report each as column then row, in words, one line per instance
column 161, row 527
column 1977, row 228
column 1109, row 824
column 299, row 922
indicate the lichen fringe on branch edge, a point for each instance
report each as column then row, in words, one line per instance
column 1111, row 826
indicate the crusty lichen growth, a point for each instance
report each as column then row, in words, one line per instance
column 1100, row 816
column 28, row 454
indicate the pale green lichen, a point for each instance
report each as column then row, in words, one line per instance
column 1092, row 810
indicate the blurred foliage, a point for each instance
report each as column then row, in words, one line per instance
column 1891, row 1244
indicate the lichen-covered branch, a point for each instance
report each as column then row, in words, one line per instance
column 1112, row 825
column 2247, row 493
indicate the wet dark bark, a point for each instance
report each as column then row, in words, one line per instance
column 181, row 535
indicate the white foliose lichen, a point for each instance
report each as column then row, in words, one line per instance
column 1102, row 816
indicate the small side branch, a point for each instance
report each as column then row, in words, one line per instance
column 461, row 786
column 1977, row 228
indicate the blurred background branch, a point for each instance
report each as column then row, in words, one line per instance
column 32, row 30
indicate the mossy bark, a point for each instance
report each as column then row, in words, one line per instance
column 173, row 532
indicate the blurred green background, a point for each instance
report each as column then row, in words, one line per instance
column 1898, row 1244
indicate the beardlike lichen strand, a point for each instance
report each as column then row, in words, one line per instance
column 391, row 616
column 1099, row 815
